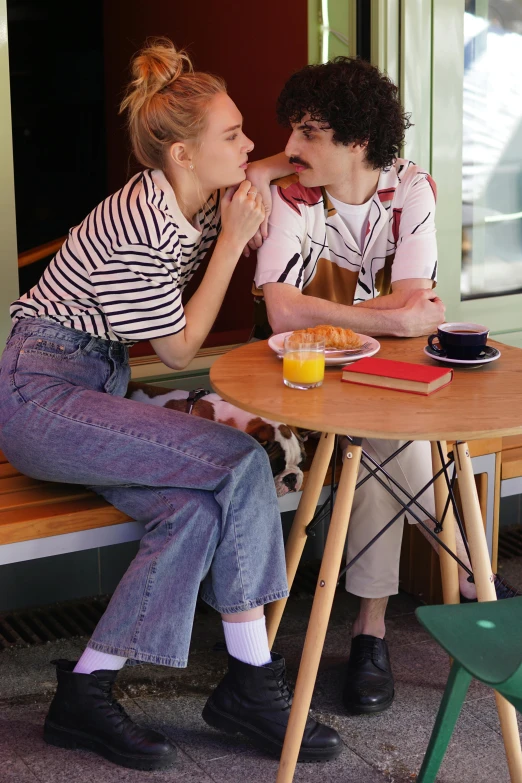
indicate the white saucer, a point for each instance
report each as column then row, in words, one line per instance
column 335, row 356
column 491, row 354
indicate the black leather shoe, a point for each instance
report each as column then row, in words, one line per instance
column 369, row 680
column 255, row 701
column 84, row 714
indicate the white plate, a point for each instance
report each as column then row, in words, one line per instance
column 334, row 356
column 491, row 355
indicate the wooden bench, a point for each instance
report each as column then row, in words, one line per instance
column 511, row 466
column 42, row 518
column 39, row 518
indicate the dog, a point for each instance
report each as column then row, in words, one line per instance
column 283, row 444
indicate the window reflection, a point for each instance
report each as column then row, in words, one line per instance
column 492, row 149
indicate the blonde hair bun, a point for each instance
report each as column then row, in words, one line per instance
column 166, row 101
column 155, row 67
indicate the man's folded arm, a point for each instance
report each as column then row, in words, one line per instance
column 399, row 296
column 288, row 309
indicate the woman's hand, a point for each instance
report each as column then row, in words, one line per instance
column 260, row 177
column 242, row 212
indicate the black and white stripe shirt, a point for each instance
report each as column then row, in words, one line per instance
column 120, row 274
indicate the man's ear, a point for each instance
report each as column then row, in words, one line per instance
column 360, row 146
column 180, row 154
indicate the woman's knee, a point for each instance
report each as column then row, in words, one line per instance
column 243, row 449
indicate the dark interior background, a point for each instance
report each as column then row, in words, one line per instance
column 69, row 66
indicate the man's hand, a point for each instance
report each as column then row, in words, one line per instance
column 421, row 314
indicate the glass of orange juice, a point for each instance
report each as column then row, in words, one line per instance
column 303, row 361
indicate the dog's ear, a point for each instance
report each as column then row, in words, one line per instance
column 261, row 430
column 204, row 409
column 285, row 431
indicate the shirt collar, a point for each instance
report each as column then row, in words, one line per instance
column 160, row 181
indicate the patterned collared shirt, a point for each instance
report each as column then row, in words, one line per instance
column 310, row 246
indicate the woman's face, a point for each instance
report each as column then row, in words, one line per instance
column 221, row 156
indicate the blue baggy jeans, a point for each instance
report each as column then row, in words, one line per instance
column 204, row 491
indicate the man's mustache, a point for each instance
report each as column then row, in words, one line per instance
column 294, row 160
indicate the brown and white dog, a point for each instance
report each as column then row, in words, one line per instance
column 282, row 443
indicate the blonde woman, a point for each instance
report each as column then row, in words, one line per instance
column 210, row 519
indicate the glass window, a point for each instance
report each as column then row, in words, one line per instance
column 492, row 149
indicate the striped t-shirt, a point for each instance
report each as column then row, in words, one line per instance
column 120, row 274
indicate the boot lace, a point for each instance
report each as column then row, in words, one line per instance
column 363, row 651
column 284, row 691
column 106, row 688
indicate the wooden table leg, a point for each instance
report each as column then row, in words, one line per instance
column 448, row 567
column 322, row 606
column 297, row 537
column 486, row 592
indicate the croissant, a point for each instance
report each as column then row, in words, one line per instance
column 333, row 336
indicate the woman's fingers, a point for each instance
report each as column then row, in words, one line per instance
column 243, row 215
column 229, row 193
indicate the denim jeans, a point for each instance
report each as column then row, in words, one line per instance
column 204, row 491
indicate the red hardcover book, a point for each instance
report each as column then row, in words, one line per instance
column 403, row 376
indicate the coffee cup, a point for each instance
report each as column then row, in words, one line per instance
column 465, row 341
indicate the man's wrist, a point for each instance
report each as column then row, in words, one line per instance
column 272, row 168
column 394, row 323
column 259, row 168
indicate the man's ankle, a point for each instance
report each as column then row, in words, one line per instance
column 370, row 620
column 368, row 628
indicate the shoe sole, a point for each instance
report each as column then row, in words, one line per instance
column 371, row 710
column 223, row 722
column 73, row 740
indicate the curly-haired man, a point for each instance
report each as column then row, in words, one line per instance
column 351, row 242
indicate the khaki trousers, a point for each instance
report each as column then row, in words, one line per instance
column 376, row 573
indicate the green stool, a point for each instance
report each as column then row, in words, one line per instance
column 485, row 642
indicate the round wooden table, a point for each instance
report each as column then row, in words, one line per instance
column 479, row 402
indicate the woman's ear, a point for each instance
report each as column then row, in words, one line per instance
column 180, row 155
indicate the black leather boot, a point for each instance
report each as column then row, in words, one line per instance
column 84, row 714
column 255, row 701
column 369, row 680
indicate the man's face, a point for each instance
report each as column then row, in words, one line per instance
column 317, row 159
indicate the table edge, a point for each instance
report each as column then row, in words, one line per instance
column 439, row 435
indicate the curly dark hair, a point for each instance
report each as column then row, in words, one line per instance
column 355, row 99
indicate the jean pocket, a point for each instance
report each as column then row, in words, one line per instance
column 52, row 348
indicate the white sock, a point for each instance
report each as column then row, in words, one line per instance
column 92, row 661
column 248, row 642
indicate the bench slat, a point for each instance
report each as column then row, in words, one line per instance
column 43, row 494
column 512, row 442
column 511, row 464
column 16, row 483
column 53, row 519
column 7, row 470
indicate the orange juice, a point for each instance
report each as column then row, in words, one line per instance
column 303, row 367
